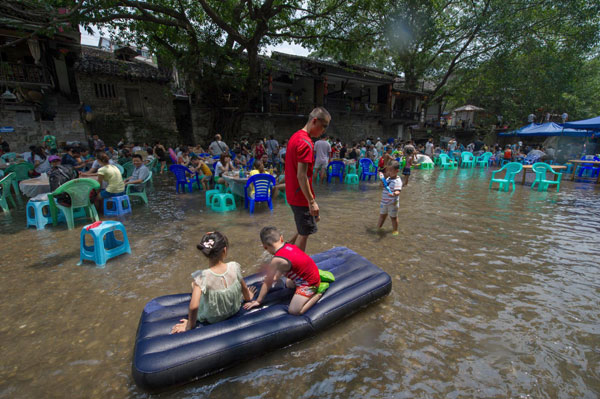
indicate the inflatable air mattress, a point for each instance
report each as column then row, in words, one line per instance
column 162, row 359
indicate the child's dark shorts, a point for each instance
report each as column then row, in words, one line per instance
column 406, row 171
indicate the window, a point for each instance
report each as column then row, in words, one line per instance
column 105, row 90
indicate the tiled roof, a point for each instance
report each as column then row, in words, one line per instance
column 96, row 61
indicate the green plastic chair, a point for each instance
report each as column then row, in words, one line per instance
column 427, row 165
column 446, row 162
column 79, row 192
column 511, row 169
column 143, row 185
column 540, row 169
column 6, row 197
column 483, row 160
column 120, row 169
column 128, row 169
column 467, row 160
column 153, row 165
column 21, row 171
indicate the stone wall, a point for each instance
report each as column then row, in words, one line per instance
column 112, row 116
column 29, row 128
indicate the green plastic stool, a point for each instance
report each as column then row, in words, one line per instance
column 351, row 179
column 220, row 187
column 427, row 166
column 219, row 203
column 209, row 194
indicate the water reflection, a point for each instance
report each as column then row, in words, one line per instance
column 495, row 295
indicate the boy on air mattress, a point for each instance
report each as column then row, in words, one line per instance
column 300, row 270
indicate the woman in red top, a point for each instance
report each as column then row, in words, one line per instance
column 259, row 149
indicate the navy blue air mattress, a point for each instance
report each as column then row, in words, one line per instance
column 162, row 359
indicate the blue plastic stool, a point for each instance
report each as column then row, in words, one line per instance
column 120, row 206
column 38, row 214
column 209, row 194
column 219, row 203
column 105, row 246
column 351, row 178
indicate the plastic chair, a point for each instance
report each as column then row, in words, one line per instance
column 427, row 165
column 222, row 202
column 121, row 169
column 540, row 169
column 117, row 206
column 511, row 169
column 351, row 169
column 335, row 168
column 128, row 169
column 106, row 246
column 6, row 195
column 483, row 160
column 366, row 164
column 21, row 171
column 143, row 185
column 467, row 160
column 79, row 192
column 181, row 173
column 583, row 168
column 263, row 186
column 446, row 162
column 9, row 156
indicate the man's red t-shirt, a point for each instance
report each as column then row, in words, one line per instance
column 299, row 149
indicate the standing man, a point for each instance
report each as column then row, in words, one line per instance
column 298, row 175
column 272, row 149
column 322, row 151
column 429, row 148
column 50, row 142
column 217, row 147
column 98, row 144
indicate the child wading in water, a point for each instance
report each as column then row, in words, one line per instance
column 217, row 291
column 389, row 197
column 301, row 271
column 411, row 158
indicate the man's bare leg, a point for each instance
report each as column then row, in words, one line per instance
column 302, row 242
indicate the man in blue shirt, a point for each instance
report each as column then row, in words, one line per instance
column 140, row 173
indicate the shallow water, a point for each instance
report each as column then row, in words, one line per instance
column 495, row 295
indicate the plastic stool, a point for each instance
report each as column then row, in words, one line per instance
column 218, row 203
column 427, row 166
column 38, row 214
column 105, row 246
column 220, row 188
column 120, row 206
column 351, row 178
column 209, row 194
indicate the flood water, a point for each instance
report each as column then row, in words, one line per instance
column 494, row 295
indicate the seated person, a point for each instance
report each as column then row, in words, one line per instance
column 110, row 174
column 240, row 159
column 140, row 173
column 183, row 158
column 125, row 157
column 70, row 159
column 300, row 270
column 204, row 174
column 224, row 165
column 59, row 175
column 96, row 165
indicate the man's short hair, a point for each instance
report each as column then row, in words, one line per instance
column 319, row 113
column 269, row 235
column 137, row 156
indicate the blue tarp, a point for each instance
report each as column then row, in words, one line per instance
column 547, row 129
column 592, row 123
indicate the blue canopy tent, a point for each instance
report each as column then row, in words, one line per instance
column 547, row 129
column 592, row 124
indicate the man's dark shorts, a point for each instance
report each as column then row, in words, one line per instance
column 305, row 222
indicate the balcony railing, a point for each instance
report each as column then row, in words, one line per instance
column 23, row 73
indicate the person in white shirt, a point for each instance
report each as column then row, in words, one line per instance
column 322, row 151
column 531, row 118
column 218, row 147
column 429, row 148
column 379, row 146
